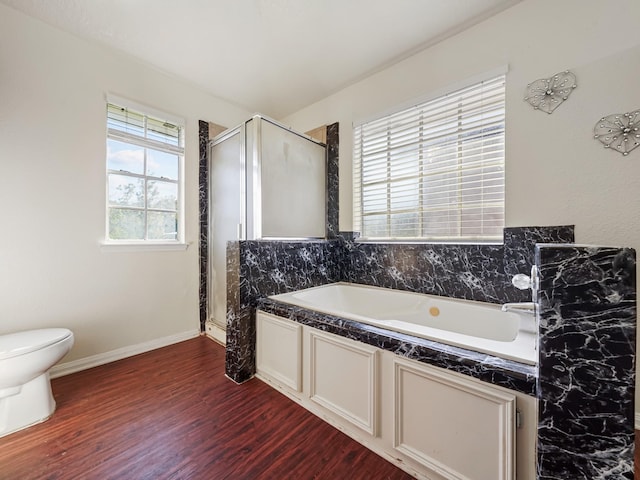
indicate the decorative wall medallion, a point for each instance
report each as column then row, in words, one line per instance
column 547, row 94
column 619, row 131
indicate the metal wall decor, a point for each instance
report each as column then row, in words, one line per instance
column 619, row 131
column 547, row 94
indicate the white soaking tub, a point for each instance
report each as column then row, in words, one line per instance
column 477, row 326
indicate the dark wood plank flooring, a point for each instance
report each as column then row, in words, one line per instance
column 636, row 457
column 171, row 414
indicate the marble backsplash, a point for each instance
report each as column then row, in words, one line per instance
column 472, row 272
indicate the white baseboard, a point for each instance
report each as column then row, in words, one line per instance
column 118, row 354
column 637, row 421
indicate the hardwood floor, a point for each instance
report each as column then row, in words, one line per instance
column 636, row 457
column 171, row 414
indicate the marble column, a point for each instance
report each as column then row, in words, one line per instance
column 587, row 314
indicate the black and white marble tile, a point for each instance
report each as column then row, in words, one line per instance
column 268, row 268
column 519, row 244
column 586, row 381
column 472, row 272
column 333, row 187
column 259, row 268
column 203, row 201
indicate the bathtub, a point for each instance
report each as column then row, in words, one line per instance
column 477, row 326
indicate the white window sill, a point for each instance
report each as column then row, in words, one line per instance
column 142, row 247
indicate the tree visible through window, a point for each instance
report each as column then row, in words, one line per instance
column 144, row 155
column 434, row 171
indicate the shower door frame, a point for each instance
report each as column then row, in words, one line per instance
column 241, row 232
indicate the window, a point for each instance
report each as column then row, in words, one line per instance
column 144, row 160
column 434, row 171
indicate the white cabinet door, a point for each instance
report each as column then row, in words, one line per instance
column 459, row 428
column 279, row 350
column 343, row 377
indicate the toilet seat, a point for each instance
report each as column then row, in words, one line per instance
column 20, row 343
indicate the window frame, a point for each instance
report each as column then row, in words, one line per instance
column 146, row 143
column 415, row 112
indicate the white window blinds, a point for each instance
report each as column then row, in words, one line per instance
column 434, row 171
column 134, row 126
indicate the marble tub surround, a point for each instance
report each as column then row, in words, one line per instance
column 472, row 272
column 587, row 314
column 505, row 373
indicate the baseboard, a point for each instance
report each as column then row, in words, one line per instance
column 118, row 354
column 637, row 421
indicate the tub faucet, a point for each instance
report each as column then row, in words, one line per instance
column 524, row 282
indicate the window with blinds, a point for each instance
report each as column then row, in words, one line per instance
column 434, row 171
column 144, row 156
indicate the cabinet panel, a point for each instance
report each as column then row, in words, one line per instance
column 458, row 428
column 279, row 350
column 344, row 379
column 431, row 422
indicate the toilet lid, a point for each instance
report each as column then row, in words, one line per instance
column 19, row 343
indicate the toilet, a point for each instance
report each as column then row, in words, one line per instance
column 25, row 390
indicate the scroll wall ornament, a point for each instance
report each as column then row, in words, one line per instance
column 619, row 131
column 547, row 94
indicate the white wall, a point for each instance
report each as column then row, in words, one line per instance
column 52, row 193
column 556, row 173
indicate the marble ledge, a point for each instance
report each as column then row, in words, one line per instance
column 504, row 373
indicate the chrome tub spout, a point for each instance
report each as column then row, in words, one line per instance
column 522, row 307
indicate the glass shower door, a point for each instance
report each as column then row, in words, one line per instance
column 226, row 214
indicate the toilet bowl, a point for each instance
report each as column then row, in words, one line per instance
column 25, row 390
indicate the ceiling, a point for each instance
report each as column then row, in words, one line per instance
column 268, row 56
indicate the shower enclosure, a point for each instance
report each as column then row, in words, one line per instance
column 265, row 182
